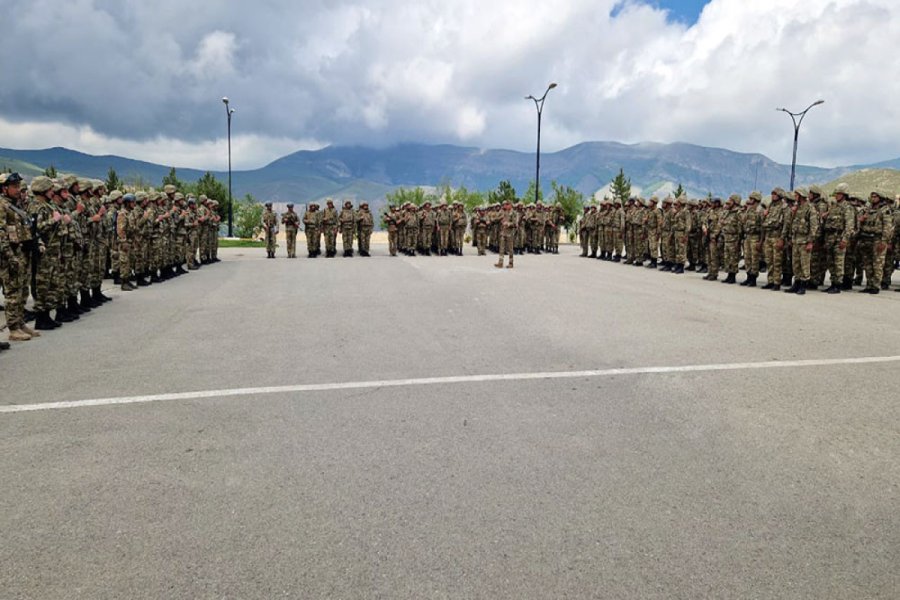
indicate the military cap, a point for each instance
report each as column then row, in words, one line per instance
column 129, row 197
column 3, row 177
column 41, row 184
column 169, row 188
column 802, row 192
column 329, row 201
column 693, row 202
column 366, row 204
column 881, row 194
column 114, row 195
column 98, row 185
column 680, row 199
column 12, row 179
column 290, row 205
column 755, row 196
column 57, row 187
column 654, row 200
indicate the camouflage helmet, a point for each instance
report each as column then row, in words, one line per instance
column 814, row 189
column 169, row 189
column 754, row 197
column 735, row 198
column 40, row 184
column 114, row 195
column 841, row 188
column 778, row 191
column 802, row 192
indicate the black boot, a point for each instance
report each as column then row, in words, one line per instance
column 86, row 303
column 653, row 264
column 833, row 289
column 141, row 282
column 666, row 266
column 116, row 279
column 29, row 316
column 730, row 278
column 794, row 287
column 751, row 280
column 100, row 296
column 62, row 315
column 72, row 307
column 679, row 269
column 702, row 268
column 43, row 322
column 801, row 289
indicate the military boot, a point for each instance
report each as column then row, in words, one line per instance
column 746, row 282
column 28, row 316
column 653, row 264
column 616, row 258
column 62, row 315
column 666, row 266
column 30, row 331
column 679, row 270
column 44, row 322
column 72, row 307
column 769, row 285
column 794, row 287
column 98, row 294
column 730, row 279
column 833, row 289
column 17, row 335
column 801, row 289
column 86, row 304
column 751, row 280
column 847, row 283
column 702, row 268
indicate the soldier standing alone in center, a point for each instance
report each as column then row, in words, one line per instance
column 509, row 226
column 347, row 220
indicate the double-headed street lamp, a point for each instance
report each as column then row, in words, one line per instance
column 539, row 105
column 797, row 123
column 228, row 112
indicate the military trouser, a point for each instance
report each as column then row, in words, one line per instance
column 594, row 241
column 330, row 240
column 751, row 253
column 393, row 241
column 874, row 254
column 347, row 238
column 507, row 248
column 364, row 236
column 312, row 239
column 715, row 262
column 11, row 276
column 695, row 248
column 290, row 234
column 667, row 246
column 818, row 262
column 681, row 244
column 585, row 238
column 772, row 255
column 834, row 257
column 618, row 246
column 44, row 290
column 653, row 245
column 270, row 240
column 124, row 260
column 629, row 244
column 481, row 241
column 444, row 238
column 458, row 238
column 800, row 259
column 888, row 266
column 787, row 262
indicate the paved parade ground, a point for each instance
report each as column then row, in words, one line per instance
column 436, row 428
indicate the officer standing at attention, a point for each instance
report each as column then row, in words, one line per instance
column 365, row 223
column 291, row 222
column 270, row 225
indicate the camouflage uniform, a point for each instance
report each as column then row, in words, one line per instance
column 312, row 224
column 270, row 227
column 291, row 222
column 509, row 225
column 681, row 228
column 804, row 228
column 838, row 227
column 751, row 227
column 730, row 236
column 365, row 223
column 347, row 220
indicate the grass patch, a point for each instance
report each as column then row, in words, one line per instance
column 227, row 243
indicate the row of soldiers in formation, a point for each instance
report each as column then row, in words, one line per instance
column 796, row 236
column 60, row 238
column 329, row 223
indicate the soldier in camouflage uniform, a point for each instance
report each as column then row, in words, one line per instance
column 312, row 223
column 347, row 221
column 269, row 224
column 584, row 235
column 458, row 230
column 125, row 230
column 12, row 257
column 838, row 225
column 804, row 228
column 365, row 223
column 329, row 228
column 653, row 227
column 751, row 226
column 817, row 260
column 509, row 225
column 443, row 221
column 876, row 231
column 681, row 229
column 291, row 222
column 730, row 236
column 772, row 241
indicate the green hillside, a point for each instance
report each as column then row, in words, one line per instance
column 864, row 181
column 26, row 169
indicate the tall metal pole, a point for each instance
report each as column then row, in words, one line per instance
column 797, row 123
column 539, row 105
column 228, row 113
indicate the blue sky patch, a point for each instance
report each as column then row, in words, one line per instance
column 682, row 11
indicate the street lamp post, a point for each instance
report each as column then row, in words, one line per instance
column 228, row 112
column 539, row 105
column 797, row 123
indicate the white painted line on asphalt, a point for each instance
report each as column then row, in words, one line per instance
column 355, row 385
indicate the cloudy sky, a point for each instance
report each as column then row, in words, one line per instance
column 145, row 79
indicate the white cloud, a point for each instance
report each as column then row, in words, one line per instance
column 149, row 76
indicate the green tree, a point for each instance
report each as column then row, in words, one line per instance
column 172, row 179
column 470, row 200
column 621, row 187
column 505, row 191
column 528, row 198
column 572, row 202
column 214, row 189
column 50, row 172
column 680, row 191
column 112, row 180
column 248, row 217
column 400, row 196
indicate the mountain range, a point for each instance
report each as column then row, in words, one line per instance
column 360, row 173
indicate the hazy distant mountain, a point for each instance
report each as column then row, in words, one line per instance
column 367, row 173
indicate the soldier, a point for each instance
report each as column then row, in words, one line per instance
column 772, row 228
column 875, row 226
column 837, row 228
column 638, row 236
column 124, row 233
column 270, row 228
column 190, row 227
column 509, row 226
column 12, row 258
column 312, row 225
column 329, row 228
column 730, row 236
column 410, row 229
column 695, row 237
column 392, row 220
column 458, row 230
column 584, row 235
column 347, row 220
column 787, row 261
column 47, row 220
column 804, row 228
column 751, row 227
column 444, row 221
column 480, row 230
column 365, row 223
column 817, row 260
column 653, row 227
column 681, row 228
column 291, row 222
column 427, row 226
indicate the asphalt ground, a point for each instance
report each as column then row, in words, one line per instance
column 736, row 469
